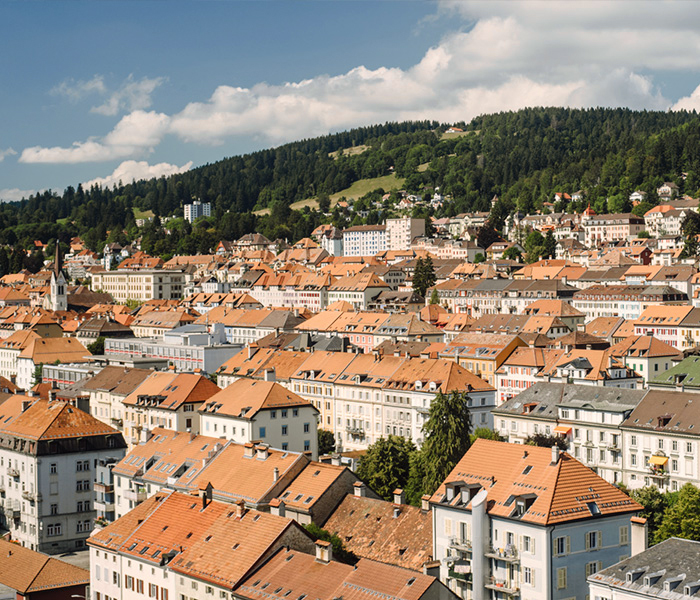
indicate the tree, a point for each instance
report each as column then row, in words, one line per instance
column 446, row 437
column 386, row 465
column 547, row 441
column 423, row 275
column 550, row 245
column 534, row 246
column 642, row 208
column 682, row 518
column 98, row 346
column 434, row 298
column 513, row 253
column 643, row 235
column 326, row 442
column 487, row 235
column 324, row 202
column 655, row 504
column 486, row 434
column 479, row 258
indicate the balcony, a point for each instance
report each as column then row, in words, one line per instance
column 104, row 506
column 31, row 495
column 355, row 431
column 138, row 495
column 503, row 586
column 105, row 488
column 461, row 571
column 508, row 554
column 459, row 543
column 12, row 472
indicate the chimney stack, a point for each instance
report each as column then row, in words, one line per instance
column 397, row 512
column 262, row 451
column 360, row 490
column 639, row 535
column 205, row 493
column 275, row 474
column 277, row 507
column 555, row 454
column 399, row 496
column 425, row 503
column 335, row 459
column 240, row 509
column 324, row 552
column 248, row 450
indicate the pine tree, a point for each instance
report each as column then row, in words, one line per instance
column 386, row 465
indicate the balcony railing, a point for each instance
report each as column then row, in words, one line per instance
column 507, row 554
column 137, row 495
column 106, row 488
column 12, row 472
column 104, row 506
column 460, row 543
column 30, row 495
column 355, row 430
column 504, row 586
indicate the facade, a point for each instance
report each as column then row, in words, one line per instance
column 401, row 231
column 140, row 285
column 197, row 209
column 48, row 457
column 364, row 240
column 526, row 521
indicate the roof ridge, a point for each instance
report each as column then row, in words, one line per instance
column 38, row 572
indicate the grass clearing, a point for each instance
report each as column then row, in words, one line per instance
column 352, row 151
column 455, row 134
column 143, row 214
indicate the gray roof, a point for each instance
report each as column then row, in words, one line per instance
column 548, row 396
column 675, row 562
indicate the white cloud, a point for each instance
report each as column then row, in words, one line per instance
column 132, row 95
column 691, row 102
column 513, row 55
column 5, row 153
column 77, row 90
column 135, row 134
column 13, row 194
column 131, row 170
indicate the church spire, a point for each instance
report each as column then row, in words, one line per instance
column 57, row 261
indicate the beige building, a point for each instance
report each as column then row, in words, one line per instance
column 140, row 285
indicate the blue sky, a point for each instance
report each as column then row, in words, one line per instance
column 102, row 91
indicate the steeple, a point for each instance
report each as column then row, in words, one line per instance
column 57, row 260
column 57, row 298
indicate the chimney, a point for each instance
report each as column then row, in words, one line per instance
column 335, row 460
column 360, row 489
column 425, row 503
column 248, row 450
column 277, row 507
column 261, row 450
column 555, row 454
column 205, row 493
column 639, row 535
column 240, row 509
column 399, row 496
column 397, row 512
column 270, row 375
column 324, row 552
column 275, row 474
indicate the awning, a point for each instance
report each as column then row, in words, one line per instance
column 658, row 460
column 563, row 429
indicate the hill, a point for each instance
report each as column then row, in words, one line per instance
column 523, row 157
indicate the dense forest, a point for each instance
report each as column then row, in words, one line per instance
column 523, row 157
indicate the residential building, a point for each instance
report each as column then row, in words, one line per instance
column 197, row 209
column 48, row 456
column 364, row 240
column 249, row 410
column 401, row 231
column 626, row 301
column 44, row 351
column 646, row 355
column 140, row 285
column 513, row 520
column 664, row 323
column 610, row 228
column 591, row 367
column 522, row 369
column 359, row 290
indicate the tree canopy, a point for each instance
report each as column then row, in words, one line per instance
column 386, row 465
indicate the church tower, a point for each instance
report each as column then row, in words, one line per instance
column 58, row 291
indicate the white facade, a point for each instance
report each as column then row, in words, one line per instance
column 400, row 232
column 364, row 240
column 197, row 209
column 140, row 285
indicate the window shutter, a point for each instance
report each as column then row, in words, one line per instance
column 532, row 578
column 599, row 541
column 600, row 566
column 588, row 540
column 568, row 544
column 532, row 546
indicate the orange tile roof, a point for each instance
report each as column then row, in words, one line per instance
column 563, row 491
column 50, row 350
column 174, row 389
column 310, row 485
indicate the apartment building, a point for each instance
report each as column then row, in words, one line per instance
column 48, row 458
column 626, row 301
column 197, row 209
column 401, row 231
column 513, row 520
column 522, row 369
column 664, row 323
column 646, row 355
column 45, row 351
column 364, row 240
column 140, row 285
column 359, row 290
column 613, row 228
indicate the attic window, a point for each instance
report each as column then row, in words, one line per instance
column 143, row 550
column 309, row 499
column 593, row 507
column 527, row 469
column 411, row 581
column 206, row 539
column 278, row 590
column 257, row 583
column 317, row 473
column 235, row 546
column 188, row 536
column 133, row 546
column 298, row 497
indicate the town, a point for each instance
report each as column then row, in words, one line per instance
column 370, row 410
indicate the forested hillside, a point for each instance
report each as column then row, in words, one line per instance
column 523, row 157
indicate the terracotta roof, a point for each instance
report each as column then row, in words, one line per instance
column 173, row 389
column 27, row 571
column 118, row 381
column 370, row 529
column 310, row 485
column 50, row 350
column 564, row 491
column 643, row 346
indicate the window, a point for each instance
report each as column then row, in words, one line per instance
column 528, row 544
column 273, row 414
column 306, row 428
column 284, row 414
column 152, row 590
column 689, row 447
column 307, row 445
column 261, row 432
column 624, row 535
column 562, row 545
column 592, row 567
column 82, row 485
column 561, row 578
column 82, row 465
column 633, row 460
column 284, row 430
column 54, row 509
column 527, row 576
column 593, row 539
column 674, row 445
column 54, row 529
column 633, row 440
column 53, row 469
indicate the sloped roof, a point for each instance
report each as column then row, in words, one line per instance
column 174, row 389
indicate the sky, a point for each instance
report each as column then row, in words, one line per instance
column 98, row 92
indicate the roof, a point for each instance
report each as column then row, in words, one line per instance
column 643, row 346
column 674, row 563
column 563, row 491
column 665, row 411
column 27, row 571
column 118, row 381
column 370, row 529
column 50, row 350
column 172, row 390
column 245, row 398
column 310, row 485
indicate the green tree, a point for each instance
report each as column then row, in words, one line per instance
column 386, row 465
column 486, row 434
column 655, row 504
column 642, row 208
column 340, row 552
column 434, row 298
column 547, row 441
column 423, row 275
column 486, row 236
column 550, row 245
column 326, row 442
column 513, row 253
column 98, row 346
column 534, row 246
column 446, row 437
column 479, row 258
column 682, row 518
column 324, row 202
column 643, row 235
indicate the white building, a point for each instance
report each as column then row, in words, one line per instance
column 526, row 521
column 48, row 456
column 364, row 240
column 197, row 209
column 140, row 284
column 401, row 231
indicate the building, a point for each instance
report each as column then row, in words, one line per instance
column 49, row 450
column 513, row 520
column 140, row 285
column 46, row 351
column 401, row 231
column 646, row 355
column 249, row 410
column 364, row 240
column 197, row 209
column 36, row 576
column 670, row 569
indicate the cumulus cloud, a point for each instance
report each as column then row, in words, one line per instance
column 5, row 153
column 135, row 134
column 13, row 194
column 131, row 170
column 508, row 56
column 691, row 102
column 132, row 94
